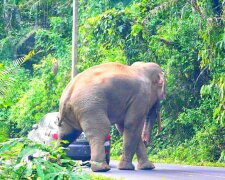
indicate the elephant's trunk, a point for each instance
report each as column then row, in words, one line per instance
column 158, row 121
column 153, row 114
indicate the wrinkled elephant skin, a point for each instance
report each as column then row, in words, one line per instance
column 109, row 94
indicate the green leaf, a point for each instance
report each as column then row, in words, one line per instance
column 39, row 169
column 60, row 176
column 49, row 166
column 29, row 169
column 136, row 29
column 6, row 146
column 51, row 176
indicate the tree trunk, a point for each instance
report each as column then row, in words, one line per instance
column 74, row 38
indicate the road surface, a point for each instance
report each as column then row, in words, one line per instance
column 167, row 172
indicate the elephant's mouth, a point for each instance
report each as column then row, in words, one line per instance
column 162, row 96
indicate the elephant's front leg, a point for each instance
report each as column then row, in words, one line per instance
column 131, row 137
column 143, row 162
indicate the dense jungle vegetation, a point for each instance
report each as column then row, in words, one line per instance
column 186, row 37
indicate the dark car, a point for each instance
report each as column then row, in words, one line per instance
column 46, row 132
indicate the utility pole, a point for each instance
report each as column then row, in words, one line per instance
column 74, row 38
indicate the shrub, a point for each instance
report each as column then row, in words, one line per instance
column 23, row 159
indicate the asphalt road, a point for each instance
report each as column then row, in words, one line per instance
column 167, row 172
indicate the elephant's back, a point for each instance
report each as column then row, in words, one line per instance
column 105, row 80
column 100, row 75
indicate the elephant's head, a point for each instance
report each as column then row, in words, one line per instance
column 155, row 76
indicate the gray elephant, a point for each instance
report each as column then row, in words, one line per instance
column 112, row 93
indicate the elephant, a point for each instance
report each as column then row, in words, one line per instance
column 108, row 94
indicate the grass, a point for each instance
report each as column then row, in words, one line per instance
column 172, row 161
column 101, row 177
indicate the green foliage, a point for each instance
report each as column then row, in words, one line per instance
column 205, row 146
column 6, row 74
column 197, row 138
column 13, row 88
column 41, row 97
column 116, row 148
column 23, row 159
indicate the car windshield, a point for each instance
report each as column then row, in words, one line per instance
column 45, row 128
column 49, row 122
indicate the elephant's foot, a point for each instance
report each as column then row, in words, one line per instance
column 145, row 165
column 124, row 165
column 99, row 167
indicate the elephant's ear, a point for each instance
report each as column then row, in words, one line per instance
column 161, row 81
column 158, row 79
column 160, row 84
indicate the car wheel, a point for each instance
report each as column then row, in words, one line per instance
column 107, row 157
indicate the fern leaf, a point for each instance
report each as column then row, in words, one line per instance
column 5, row 78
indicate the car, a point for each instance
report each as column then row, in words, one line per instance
column 80, row 149
column 46, row 132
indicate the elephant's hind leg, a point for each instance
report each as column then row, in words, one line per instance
column 96, row 128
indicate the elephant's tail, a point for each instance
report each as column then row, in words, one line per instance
column 59, row 120
column 62, row 111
